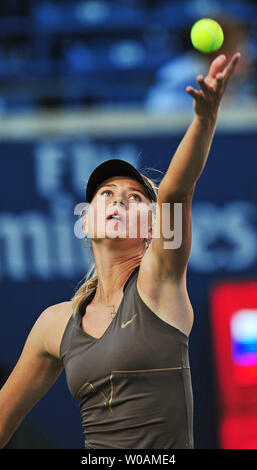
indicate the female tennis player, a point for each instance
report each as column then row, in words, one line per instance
column 123, row 338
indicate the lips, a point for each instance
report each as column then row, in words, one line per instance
column 115, row 215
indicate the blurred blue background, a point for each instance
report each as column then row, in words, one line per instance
column 85, row 81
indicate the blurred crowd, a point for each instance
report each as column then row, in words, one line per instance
column 168, row 92
column 114, row 53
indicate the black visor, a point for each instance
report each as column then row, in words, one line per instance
column 115, row 167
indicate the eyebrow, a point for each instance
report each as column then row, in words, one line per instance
column 129, row 187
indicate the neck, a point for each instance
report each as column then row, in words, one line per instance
column 114, row 271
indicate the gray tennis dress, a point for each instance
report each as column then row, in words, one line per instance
column 133, row 384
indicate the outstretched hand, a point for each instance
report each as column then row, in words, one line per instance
column 208, row 98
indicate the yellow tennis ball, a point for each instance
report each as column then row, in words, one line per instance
column 207, row 35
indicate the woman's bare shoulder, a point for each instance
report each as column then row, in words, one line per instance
column 53, row 322
column 58, row 310
column 55, row 313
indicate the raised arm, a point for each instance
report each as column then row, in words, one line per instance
column 189, row 160
column 178, row 183
column 33, row 375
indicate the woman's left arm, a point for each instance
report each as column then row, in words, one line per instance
column 189, row 160
column 178, row 183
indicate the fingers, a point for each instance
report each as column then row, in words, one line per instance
column 219, row 81
column 203, row 85
column 223, row 77
column 217, row 65
column 229, row 69
column 194, row 93
column 205, row 90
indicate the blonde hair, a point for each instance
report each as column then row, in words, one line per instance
column 90, row 280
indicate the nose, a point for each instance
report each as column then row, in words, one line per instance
column 119, row 200
column 121, row 203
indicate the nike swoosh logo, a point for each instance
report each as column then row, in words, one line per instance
column 129, row 321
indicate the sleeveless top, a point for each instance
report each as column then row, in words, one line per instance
column 133, row 384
